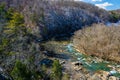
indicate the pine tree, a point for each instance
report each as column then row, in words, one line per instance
column 16, row 24
column 56, row 70
column 20, row 72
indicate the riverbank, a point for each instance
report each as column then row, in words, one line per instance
column 92, row 67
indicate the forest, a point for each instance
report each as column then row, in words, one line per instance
column 58, row 40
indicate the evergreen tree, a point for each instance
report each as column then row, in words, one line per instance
column 56, row 70
column 20, row 72
column 2, row 11
column 16, row 24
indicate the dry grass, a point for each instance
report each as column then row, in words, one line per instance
column 100, row 41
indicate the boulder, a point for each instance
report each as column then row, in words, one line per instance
column 112, row 72
column 101, row 75
column 62, row 62
column 77, row 63
column 112, row 78
column 118, row 70
column 77, row 68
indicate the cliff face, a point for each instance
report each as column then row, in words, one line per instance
column 58, row 18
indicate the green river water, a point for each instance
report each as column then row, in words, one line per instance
column 91, row 63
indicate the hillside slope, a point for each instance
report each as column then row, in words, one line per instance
column 23, row 56
column 115, row 15
column 58, row 18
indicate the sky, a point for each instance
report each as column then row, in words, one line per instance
column 105, row 4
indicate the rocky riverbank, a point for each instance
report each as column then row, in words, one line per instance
column 83, row 67
column 77, row 65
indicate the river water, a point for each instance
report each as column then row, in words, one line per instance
column 91, row 63
column 114, row 24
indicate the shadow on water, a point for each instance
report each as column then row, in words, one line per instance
column 56, row 55
column 58, row 37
